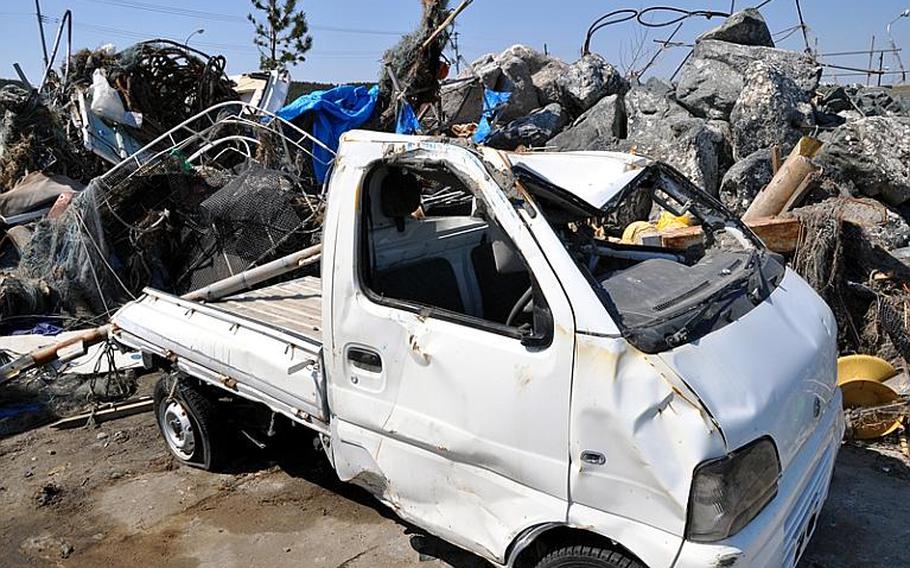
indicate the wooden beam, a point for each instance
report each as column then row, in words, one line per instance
column 122, row 410
column 780, row 234
column 446, row 23
column 772, row 200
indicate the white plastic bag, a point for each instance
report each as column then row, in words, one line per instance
column 106, row 102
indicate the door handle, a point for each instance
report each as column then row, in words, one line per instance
column 365, row 359
column 593, row 458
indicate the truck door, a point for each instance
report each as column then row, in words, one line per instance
column 452, row 344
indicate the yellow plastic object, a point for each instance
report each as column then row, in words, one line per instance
column 668, row 221
column 633, row 232
column 863, row 393
column 866, row 367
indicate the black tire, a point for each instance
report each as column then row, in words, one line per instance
column 188, row 422
column 586, row 556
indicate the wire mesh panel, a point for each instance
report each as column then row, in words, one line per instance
column 250, row 219
column 194, row 206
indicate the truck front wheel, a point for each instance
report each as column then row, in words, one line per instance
column 584, row 556
column 186, row 418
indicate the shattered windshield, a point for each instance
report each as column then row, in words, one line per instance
column 669, row 262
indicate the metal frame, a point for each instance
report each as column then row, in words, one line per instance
column 201, row 140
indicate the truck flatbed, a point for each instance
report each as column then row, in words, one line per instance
column 265, row 344
column 294, row 306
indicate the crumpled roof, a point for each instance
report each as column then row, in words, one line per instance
column 593, row 177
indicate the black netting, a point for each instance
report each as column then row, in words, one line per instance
column 253, row 218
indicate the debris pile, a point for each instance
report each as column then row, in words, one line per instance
column 170, row 222
column 738, row 107
column 35, row 136
column 226, row 190
column 162, row 82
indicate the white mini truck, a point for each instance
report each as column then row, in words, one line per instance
column 500, row 372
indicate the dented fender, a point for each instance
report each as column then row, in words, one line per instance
column 650, row 428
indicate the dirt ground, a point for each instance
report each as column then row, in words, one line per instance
column 113, row 497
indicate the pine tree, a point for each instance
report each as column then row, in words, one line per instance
column 282, row 38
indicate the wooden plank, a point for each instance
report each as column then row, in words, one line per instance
column 780, row 234
column 122, row 410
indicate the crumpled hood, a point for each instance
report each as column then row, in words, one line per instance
column 773, row 371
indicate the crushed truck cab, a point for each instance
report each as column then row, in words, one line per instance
column 486, row 355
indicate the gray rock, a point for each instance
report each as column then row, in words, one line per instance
column 661, row 87
column 746, row 27
column 600, row 128
column 543, row 69
column 745, row 179
column 511, row 72
column 546, row 81
column 877, row 101
column 462, row 102
column 856, row 101
column 834, row 99
column 662, row 129
column 870, row 156
column 534, row 59
column 711, row 81
column 647, row 110
column 588, row 80
column 771, row 110
column 894, row 234
column 512, row 75
column 532, row 130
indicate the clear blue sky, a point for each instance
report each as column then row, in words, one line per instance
column 349, row 36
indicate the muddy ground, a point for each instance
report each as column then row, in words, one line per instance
column 112, row 497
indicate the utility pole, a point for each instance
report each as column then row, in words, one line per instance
column 454, row 41
column 897, row 56
column 41, row 30
column 871, row 55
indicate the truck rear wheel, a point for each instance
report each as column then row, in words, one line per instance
column 585, row 556
column 187, row 420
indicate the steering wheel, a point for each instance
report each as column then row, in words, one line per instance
column 520, row 306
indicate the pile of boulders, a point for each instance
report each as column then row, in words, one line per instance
column 737, row 98
column 738, row 108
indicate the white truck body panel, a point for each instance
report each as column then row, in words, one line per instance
column 478, row 438
column 279, row 367
column 481, row 421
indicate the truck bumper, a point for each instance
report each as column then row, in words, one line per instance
column 778, row 536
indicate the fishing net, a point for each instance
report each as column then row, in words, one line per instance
column 260, row 214
column 170, row 226
column 842, row 253
column 166, row 82
column 35, row 135
column 416, row 69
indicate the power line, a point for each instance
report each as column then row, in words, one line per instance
column 108, row 31
column 227, row 18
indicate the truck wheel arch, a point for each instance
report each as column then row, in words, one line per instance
column 532, row 543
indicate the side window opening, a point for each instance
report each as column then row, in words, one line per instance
column 427, row 243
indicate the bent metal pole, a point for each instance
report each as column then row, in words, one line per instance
column 253, row 276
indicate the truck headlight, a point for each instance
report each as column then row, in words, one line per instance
column 729, row 492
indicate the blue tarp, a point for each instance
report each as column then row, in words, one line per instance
column 492, row 102
column 42, row 328
column 407, row 122
column 335, row 111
